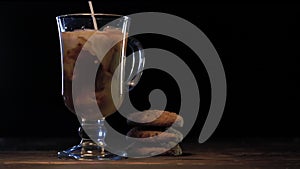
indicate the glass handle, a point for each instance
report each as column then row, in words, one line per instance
column 137, row 65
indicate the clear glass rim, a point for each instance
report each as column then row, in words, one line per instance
column 96, row 14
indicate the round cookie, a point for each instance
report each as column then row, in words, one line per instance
column 141, row 134
column 159, row 118
column 175, row 151
column 155, row 151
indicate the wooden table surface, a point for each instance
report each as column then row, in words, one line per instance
column 220, row 154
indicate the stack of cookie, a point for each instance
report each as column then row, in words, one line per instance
column 153, row 133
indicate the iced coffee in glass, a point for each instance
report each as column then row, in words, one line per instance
column 93, row 78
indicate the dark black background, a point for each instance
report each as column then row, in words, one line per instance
column 258, row 45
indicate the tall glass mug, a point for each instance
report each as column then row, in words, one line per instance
column 93, row 55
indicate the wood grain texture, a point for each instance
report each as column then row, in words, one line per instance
column 223, row 154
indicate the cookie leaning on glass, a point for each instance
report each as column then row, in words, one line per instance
column 153, row 133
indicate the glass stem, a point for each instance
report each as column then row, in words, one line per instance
column 101, row 134
column 94, row 131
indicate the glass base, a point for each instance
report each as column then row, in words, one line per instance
column 88, row 150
